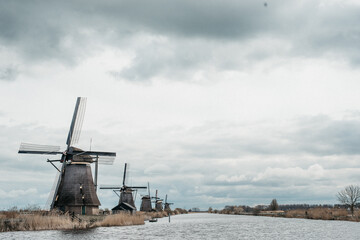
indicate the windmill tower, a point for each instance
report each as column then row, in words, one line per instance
column 158, row 203
column 146, row 202
column 167, row 205
column 74, row 188
column 126, row 200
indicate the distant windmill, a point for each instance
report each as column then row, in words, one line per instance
column 146, row 202
column 167, row 204
column 158, row 202
column 74, row 189
column 126, row 200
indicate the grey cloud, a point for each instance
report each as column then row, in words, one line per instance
column 318, row 135
column 69, row 31
column 189, row 18
column 324, row 136
column 8, row 73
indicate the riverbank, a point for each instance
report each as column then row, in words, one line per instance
column 44, row 220
column 53, row 221
column 313, row 213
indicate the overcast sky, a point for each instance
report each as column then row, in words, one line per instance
column 213, row 102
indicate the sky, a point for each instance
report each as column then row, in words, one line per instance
column 213, row 102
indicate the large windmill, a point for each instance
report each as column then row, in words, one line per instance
column 74, row 189
column 126, row 199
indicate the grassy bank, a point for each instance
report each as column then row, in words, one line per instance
column 312, row 213
column 120, row 219
column 37, row 221
column 44, row 220
column 324, row 214
column 33, row 221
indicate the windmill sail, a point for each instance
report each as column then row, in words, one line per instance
column 76, row 123
column 92, row 153
column 52, row 192
column 30, row 148
column 124, row 176
column 79, row 122
column 105, row 160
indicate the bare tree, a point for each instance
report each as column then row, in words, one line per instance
column 349, row 196
column 273, row 205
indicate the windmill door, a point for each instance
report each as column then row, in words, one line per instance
column 83, row 208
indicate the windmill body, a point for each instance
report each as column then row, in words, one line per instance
column 146, row 205
column 76, row 192
column 74, row 189
column 127, row 196
column 159, row 206
column 158, row 203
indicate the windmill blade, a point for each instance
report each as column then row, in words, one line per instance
column 94, row 153
column 31, row 148
column 110, row 187
column 124, row 176
column 135, row 196
column 52, row 192
column 58, row 183
column 136, row 187
column 77, row 121
column 105, row 160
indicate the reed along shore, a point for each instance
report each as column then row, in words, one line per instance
column 312, row 213
column 44, row 220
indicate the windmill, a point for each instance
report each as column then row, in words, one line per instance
column 158, row 202
column 74, row 189
column 146, row 202
column 126, row 200
column 167, row 204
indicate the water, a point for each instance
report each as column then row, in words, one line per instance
column 210, row 226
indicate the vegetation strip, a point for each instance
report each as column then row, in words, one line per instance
column 44, row 220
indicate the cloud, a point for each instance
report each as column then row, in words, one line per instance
column 180, row 40
column 17, row 193
column 316, row 135
column 157, row 169
column 314, row 172
column 8, row 73
column 324, row 136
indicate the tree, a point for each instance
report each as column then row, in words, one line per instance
column 349, row 196
column 273, row 205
